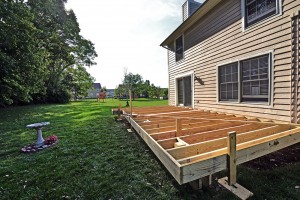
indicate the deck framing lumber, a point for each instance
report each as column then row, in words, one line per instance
column 201, row 139
column 231, row 157
column 170, row 163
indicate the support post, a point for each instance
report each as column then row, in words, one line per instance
column 202, row 182
column 119, row 111
column 178, row 127
column 130, row 96
column 231, row 157
column 230, row 181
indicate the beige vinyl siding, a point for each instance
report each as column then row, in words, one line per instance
column 219, row 38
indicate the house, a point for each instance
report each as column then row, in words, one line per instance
column 237, row 63
column 237, row 56
column 110, row 93
column 93, row 93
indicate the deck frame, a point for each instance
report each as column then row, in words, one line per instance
column 188, row 163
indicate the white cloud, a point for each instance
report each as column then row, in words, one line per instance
column 128, row 34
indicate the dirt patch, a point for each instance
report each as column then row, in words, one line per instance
column 283, row 157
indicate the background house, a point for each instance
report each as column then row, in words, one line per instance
column 110, row 93
column 93, row 93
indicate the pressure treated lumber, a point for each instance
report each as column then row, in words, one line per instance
column 219, row 132
column 231, row 157
column 178, row 127
column 236, row 189
column 203, row 140
column 212, row 145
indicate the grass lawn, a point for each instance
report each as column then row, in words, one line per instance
column 97, row 159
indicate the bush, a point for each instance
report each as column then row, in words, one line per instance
column 60, row 96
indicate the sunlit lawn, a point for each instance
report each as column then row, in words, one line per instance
column 97, row 159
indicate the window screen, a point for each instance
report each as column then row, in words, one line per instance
column 228, row 82
column 255, row 79
column 257, row 10
column 179, row 48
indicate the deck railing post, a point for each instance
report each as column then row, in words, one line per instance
column 231, row 157
column 178, row 127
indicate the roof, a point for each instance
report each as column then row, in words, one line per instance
column 110, row 90
column 197, row 15
column 97, row 86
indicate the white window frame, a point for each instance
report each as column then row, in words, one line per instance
column 192, row 74
column 179, row 61
column 262, row 21
column 238, row 82
column 268, row 104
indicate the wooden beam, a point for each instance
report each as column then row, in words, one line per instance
column 185, row 124
column 178, row 127
column 191, row 131
column 169, row 162
column 219, row 132
column 231, row 157
column 214, row 162
column 236, row 189
column 212, row 145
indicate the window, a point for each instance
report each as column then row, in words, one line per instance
column 179, row 48
column 257, row 10
column 255, row 79
column 253, row 83
column 228, row 77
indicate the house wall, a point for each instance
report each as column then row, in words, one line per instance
column 93, row 93
column 219, row 38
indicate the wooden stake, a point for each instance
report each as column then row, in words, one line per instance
column 231, row 157
column 178, row 127
column 130, row 96
column 119, row 111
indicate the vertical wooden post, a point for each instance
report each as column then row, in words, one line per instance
column 178, row 127
column 130, row 96
column 231, row 157
column 119, row 111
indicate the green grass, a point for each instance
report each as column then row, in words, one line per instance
column 97, row 159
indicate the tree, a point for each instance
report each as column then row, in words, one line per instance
column 120, row 91
column 131, row 82
column 22, row 59
column 154, row 92
column 62, row 40
column 104, row 89
column 40, row 50
column 78, row 80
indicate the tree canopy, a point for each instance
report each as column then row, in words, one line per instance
column 42, row 54
column 138, row 87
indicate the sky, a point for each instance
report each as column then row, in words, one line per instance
column 127, row 35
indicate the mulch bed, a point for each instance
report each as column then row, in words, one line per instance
column 283, row 157
column 49, row 142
